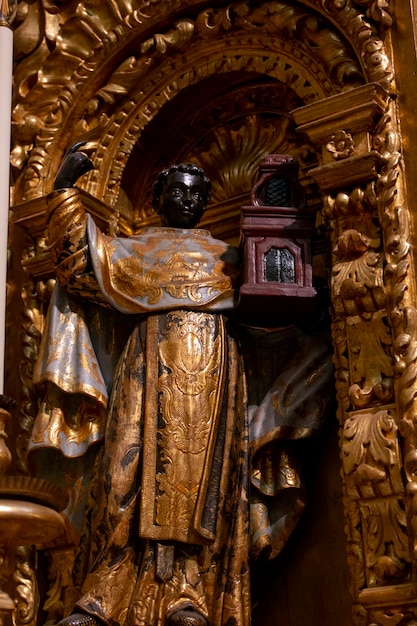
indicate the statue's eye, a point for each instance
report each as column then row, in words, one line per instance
column 198, row 196
column 176, row 193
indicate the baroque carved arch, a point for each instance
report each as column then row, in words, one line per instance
column 112, row 78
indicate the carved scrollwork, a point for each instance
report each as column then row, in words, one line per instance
column 372, row 446
column 27, row 593
column 144, row 115
column 106, row 70
column 410, row 467
column 244, row 28
column 354, row 210
column 246, row 123
column 374, row 339
column 355, row 550
column 403, row 315
column 341, row 359
column 377, row 10
column 318, row 39
column 386, row 540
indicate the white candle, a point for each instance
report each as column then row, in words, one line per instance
column 6, row 76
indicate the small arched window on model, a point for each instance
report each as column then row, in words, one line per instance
column 277, row 230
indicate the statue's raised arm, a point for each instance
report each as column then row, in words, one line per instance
column 74, row 165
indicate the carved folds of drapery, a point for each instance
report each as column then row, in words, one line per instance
column 310, row 78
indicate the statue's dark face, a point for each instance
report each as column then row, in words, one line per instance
column 183, row 200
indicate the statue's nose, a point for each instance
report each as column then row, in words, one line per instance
column 187, row 201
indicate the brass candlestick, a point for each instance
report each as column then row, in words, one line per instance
column 29, row 512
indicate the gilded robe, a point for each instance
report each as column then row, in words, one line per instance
column 170, row 527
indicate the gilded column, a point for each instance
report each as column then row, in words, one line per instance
column 372, row 324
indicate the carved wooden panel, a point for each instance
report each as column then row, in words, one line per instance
column 223, row 84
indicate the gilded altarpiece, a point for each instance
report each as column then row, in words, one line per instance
column 222, row 84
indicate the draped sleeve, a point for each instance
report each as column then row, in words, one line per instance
column 294, row 408
column 67, row 233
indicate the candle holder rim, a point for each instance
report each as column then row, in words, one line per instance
column 35, row 490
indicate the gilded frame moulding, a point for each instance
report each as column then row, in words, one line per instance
column 364, row 211
column 372, row 296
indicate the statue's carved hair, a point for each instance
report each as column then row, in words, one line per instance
column 184, row 168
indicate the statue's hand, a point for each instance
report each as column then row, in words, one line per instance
column 74, row 165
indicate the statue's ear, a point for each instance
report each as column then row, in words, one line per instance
column 157, row 207
column 156, row 197
column 208, row 192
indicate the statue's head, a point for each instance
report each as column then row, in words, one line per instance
column 180, row 195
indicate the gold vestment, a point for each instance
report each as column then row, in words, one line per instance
column 171, row 524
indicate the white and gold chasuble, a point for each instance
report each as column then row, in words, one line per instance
column 164, row 268
column 189, row 274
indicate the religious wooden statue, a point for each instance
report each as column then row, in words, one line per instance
column 187, row 489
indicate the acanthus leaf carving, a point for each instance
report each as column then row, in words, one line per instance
column 377, row 61
column 59, row 598
column 177, row 38
column 211, row 22
column 357, row 278
column 386, row 541
column 371, row 362
column 372, row 465
column 403, row 314
column 370, row 454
